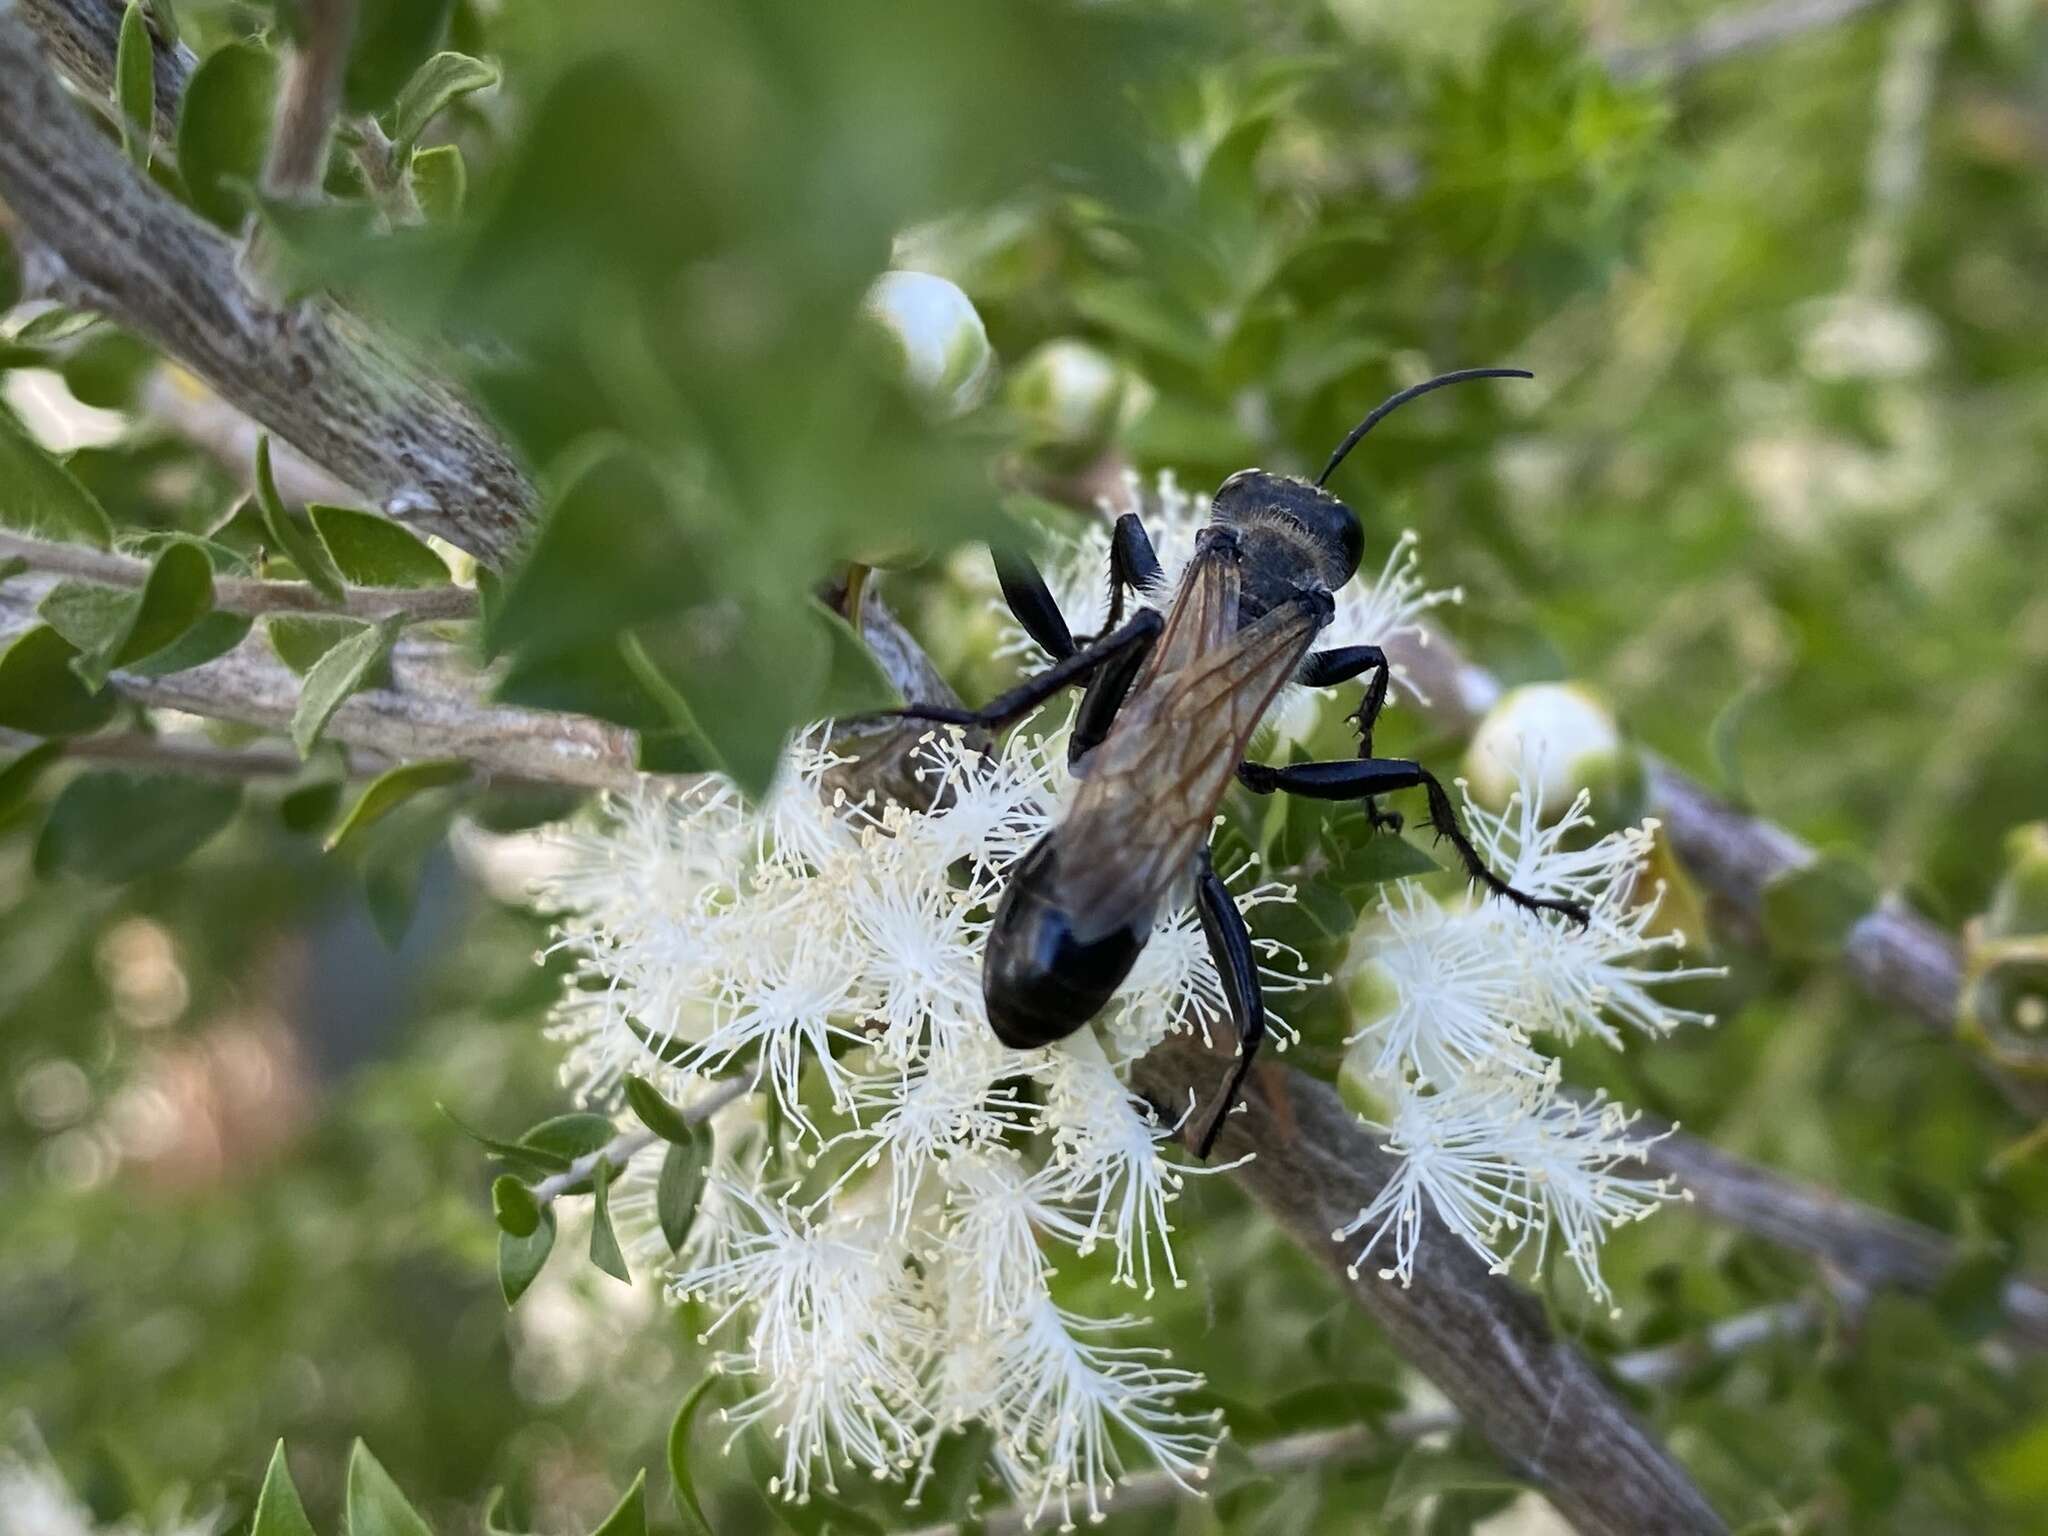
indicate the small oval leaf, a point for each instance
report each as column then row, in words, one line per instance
column 304, row 550
column 135, row 85
column 337, row 675
column 520, row 1258
column 393, row 788
column 604, row 1242
column 681, row 1187
column 512, row 1203
column 373, row 551
column 38, row 496
column 442, row 80
column 116, row 826
column 224, row 130
column 684, row 1480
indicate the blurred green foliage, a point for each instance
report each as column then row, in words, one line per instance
column 1775, row 491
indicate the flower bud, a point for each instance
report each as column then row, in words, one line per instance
column 2005, row 962
column 938, row 339
column 2019, row 904
column 1570, row 740
column 1070, row 396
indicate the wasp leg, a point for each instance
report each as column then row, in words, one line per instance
column 1107, row 690
column 1230, row 946
column 1341, row 664
column 1033, row 604
column 1133, row 565
column 1359, row 778
column 1008, row 708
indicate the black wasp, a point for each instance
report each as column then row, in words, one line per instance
column 1171, row 704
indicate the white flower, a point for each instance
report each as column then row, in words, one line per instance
column 1567, row 727
column 838, row 1340
column 831, row 953
column 1058, row 1398
column 1458, row 994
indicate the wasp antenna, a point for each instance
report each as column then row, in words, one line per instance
column 1460, row 376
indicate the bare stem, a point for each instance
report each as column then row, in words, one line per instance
column 238, row 594
column 189, row 753
column 623, row 1147
column 309, row 100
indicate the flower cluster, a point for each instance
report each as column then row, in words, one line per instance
column 882, row 1275
column 875, row 1249
column 1381, row 611
column 1452, row 996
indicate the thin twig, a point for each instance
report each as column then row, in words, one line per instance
column 309, row 100
column 241, row 594
column 431, row 706
column 622, row 1148
column 188, row 753
column 1732, row 33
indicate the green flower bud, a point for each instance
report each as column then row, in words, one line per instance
column 1071, row 397
column 938, row 339
column 1572, row 742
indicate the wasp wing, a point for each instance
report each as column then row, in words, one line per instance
column 1152, row 788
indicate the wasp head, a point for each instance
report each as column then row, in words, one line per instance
column 1293, row 535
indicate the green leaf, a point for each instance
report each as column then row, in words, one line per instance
column 491, row 1525
column 114, row 826
column 135, row 85
column 443, row 79
column 681, row 1187
column 679, row 1472
column 213, row 636
column 393, row 788
column 301, row 642
column 629, row 1516
column 393, row 39
column 604, row 1242
column 38, row 496
column 18, row 779
column 40, row 694
column 278, row 1510
column 58, row 324
column 855, row 683
column 440, row 182
column 305, row 552
column 655, row 1112
column 1809, row 911
column 514, row 1206
column 571, row 1136
column 1724, row 739
column 373, row 551
column 1377, row 858
column 533, row 1159
column 611, row 554
column 224, row 130
column 375, row 1506
column 311, row 806
column 111, row 628
column 520, row 1258
column 337, row 675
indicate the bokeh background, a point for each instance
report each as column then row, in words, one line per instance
column 1776, row 492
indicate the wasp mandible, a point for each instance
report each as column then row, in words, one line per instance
column 1171, row 703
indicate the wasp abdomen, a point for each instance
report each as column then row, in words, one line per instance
column 1041, row 981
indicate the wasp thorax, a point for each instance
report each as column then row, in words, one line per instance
column 1293, row 535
